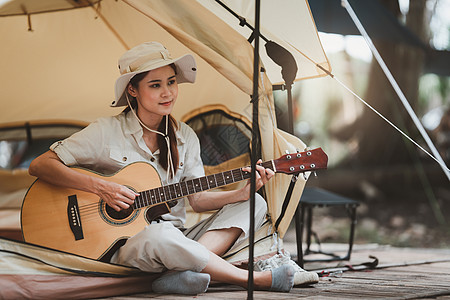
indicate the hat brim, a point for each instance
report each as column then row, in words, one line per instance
column 186, row 72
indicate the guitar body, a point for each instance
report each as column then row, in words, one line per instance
column 79, row 222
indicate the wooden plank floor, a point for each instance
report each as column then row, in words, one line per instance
column 402, row 273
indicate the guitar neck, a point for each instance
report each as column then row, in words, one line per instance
column 185, row 188
column 289, row 164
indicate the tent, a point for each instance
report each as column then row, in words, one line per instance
column 59, row 60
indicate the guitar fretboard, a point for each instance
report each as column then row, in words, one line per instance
column 185, row 188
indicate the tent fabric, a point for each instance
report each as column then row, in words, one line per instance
column 290, row 24
column 33, row 272
column 12, row 8
column 70, row 50
column 67, row 287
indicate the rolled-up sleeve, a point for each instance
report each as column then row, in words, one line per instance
column 82, row 148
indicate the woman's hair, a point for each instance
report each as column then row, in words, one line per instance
column 172, row 127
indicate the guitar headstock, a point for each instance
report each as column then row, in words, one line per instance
column 300, row 162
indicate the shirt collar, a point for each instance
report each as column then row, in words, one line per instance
column 180, row 138
column 133, row 127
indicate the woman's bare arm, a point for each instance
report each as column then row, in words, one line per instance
column 205, row 201
column 50, row 168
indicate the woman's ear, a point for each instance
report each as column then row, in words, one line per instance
column 131, row 90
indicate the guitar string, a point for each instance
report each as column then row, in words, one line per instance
column 203, row 181
column 218, row 182
column 91, row 210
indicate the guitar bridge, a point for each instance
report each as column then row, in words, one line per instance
column 73, row 214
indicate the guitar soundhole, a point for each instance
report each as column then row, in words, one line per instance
column 113, row 217
column 118, row 215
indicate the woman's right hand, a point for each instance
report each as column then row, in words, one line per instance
column 50, row 168
column 115, row 195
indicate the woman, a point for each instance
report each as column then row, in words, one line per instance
column 145, row 131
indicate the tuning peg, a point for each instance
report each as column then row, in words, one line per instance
column 315, row 174
column 286, row 151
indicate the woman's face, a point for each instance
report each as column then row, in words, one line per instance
column 156, row 93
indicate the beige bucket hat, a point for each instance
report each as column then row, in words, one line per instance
column 149, row 56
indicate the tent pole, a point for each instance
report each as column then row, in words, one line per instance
column 110, row 27
column 283, row 58
column 242, row 21
column 255, row 142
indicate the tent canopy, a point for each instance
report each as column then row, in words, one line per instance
column 62, row 63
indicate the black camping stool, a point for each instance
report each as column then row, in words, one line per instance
column 315, row 197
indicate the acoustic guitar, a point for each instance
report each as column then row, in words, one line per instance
column 79, row 222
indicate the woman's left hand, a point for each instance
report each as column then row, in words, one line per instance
column 207, row 201
column 263, row 175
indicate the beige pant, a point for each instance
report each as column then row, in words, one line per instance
column 162, row 246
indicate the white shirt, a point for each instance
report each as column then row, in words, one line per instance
column 111, row 143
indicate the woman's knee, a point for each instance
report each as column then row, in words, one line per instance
column 260, row 204
column 159, row 233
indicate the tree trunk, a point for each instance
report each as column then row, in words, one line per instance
column 379, row 143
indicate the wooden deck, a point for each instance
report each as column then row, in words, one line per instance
column 401, row 273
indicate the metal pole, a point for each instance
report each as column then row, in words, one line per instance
column 255, row 142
